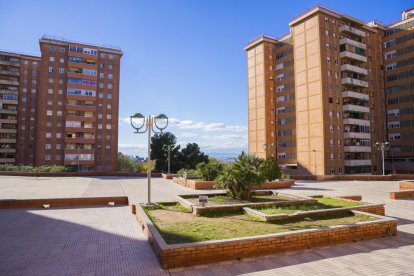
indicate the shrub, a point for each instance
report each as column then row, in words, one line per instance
column 271, row 169
column 191, row 174
column 241, row 176
column 210, row 170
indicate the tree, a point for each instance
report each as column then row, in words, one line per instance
column 210, row 170
column 126, row 163
column 191, row 155
column 241, row 176
column 271, row 169
column 159, row 151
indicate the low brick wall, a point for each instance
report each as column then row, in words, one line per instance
column 78, row 174
column 344, row 177
column 407, row 185
column 187, row 254
column 275, row 184
column 351, row 197
column 168, row 176
column 62, row 202
column 194, row 184
column 402, row 194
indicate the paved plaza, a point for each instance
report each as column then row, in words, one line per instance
column 109, row 240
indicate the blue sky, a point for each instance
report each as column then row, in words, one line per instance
column 181, row 58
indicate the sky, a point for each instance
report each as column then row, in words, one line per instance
column 181, row 58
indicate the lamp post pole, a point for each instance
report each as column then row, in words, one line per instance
column 138, row 121
column 383, row 147
column 169, row 158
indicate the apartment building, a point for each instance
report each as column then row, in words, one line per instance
column 338, row 111
column 67, row 106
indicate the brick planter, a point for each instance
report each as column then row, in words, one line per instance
column 62, row 202
column 276, row 184
column 194, row 184
column 168, row 176
column 402, row 194
column 407, row 185
column 187, row 254
column 199, row 210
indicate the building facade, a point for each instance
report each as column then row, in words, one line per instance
column 67, row 106
column 328, row 74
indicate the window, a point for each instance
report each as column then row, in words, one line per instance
column 61, row 60
column 52, row 48
column 52, row 59
column 48, row 135
column 101, row 85
column 59, row 113
column 109, row 85
column 110, row 76
column 102, row 55
column 48, row 146
column 50, row 91
column 48, row 157
column 51, row 69
column 329, row 73
column 332, row 156
column 326, row 19
column 109, row 116
column 101, row 95
column 330, row 114
column 328, row 59
column 331, row 128
column 279, row 66
column 49, row 112
column 49, row 102
column 101, row 75
column 61, row 70
column 391, row 66
column 108, row 126
column 110, row 66
column 62, row 50
column 328, row 46
column 334, row 34
column 24, row 99
column 110, row 56
column 280, row 77
column 58, row 135
column 109, row 106
column 327, row 33
column 102, row 65
column 390, row 54
column 99, row 126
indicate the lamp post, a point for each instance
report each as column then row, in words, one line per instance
column 138, row 121
column 383, row 147
column 314, row 151
column 168, row 157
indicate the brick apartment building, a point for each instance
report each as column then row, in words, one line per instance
column 60, row 108
column 320, row 97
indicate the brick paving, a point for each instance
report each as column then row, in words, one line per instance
column 108, row 240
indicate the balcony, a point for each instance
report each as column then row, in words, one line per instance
column 348, row 54
column 366, row 162
column 81, row 162
column 8, row 140
column 353, row 68
column 352, row 42
column 352, row 30
column 80, row 129
column 8, row 111
column 80, row 97
column 356, row 95
column 9, row 101
column 7, row 160
column 357, row 149
column 80, row 107
column 352, row 121
column 81, row 118
column 10, row 63
column 8, row 121
column 79, row 140
column 10, row 92
column 355, row 108
column 356, row 82
column 81, row 151
column 9, row 82
column 7, row 150
column 359, row 135
column 9, row 72
column 7, row 130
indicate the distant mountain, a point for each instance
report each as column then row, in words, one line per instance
column 223, row 156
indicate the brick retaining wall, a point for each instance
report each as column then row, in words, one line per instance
column 402, row 194
column 77, row 174
column 62, row 202
column 187, row 254
column 407, row 185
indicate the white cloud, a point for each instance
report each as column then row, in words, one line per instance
column 190, row 124
column 188, row 135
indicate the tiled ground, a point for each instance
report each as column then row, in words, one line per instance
column 108, row 240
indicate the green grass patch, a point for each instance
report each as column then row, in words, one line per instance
column 323, row 203
column 181, row 227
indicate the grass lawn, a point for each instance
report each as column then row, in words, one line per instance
column 323, row 203
column 226, row 200
column 176, row 226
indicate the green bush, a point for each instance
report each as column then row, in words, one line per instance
column 270, row 169
column 241, row 176
column 210, row 170
column 191, row 174
column 42, row 169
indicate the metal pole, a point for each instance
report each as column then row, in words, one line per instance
column 383, row 162
column 149, row 124
column 169, row 160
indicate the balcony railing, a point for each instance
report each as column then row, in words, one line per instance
column 346, row 28
column 8, row 91
column 356, row 95
column 348, row 54
column 10, row 72
column 356, row 82
column 8, row 62
column 356, row 108
column 363, row 162
column 7, row 160
column 8, row 111
column 9, row 82
column 359, row 135
column 353, row 68
column 357, row 149
column 352, row 42
column 352, row 121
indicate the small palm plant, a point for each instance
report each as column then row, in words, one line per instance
column 241, row 176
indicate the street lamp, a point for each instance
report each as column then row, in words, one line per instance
column 382, row 147
column 168, row 157
column 138, row 121
column 315, row 160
